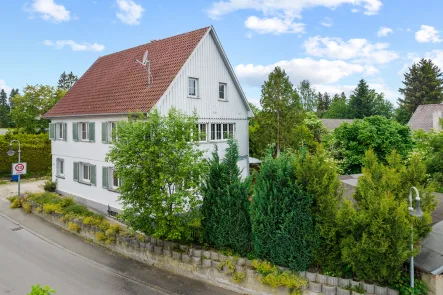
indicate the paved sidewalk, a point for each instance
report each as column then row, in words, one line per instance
column 134, row 272
column 10, row 189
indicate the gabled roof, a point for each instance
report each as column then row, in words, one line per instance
column 117, row 84
column 423, row 116
column 331, row 124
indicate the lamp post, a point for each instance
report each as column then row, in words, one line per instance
column 417, row 213
column 10, row 153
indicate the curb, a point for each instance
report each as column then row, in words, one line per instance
column 152, row 286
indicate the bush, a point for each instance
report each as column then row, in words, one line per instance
column 38, row 290
column 282, row 225
column 35, row 151
column 226, row 221
column 404, row 287
column 27, row 207
column 15, row 204
column 50, row 186
column 73, row 227
column 101, row 237
column 52, row 208
column 91, row 220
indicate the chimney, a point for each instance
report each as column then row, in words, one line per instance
column 436, row 116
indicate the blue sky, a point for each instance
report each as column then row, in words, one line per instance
column 332, row 43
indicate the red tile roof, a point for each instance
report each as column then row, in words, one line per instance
column 117, row 84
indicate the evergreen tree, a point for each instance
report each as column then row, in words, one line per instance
column 226, row 222
column 307, row 96
column 360, row 105
column 282, row 226
column 320, row 105
column 423, row 84
column 66, row 81
column 280, row 109
column 339, row 108
column 62, row 81
column 4, row 110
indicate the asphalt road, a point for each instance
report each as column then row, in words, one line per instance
column 74, row 267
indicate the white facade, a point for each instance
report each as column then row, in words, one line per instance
column 209, row 66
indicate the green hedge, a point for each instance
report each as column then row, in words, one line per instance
column 35, row 151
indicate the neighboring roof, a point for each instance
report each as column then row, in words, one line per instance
column 117, row 84
column 331, row 124
column 254, row 160
column 430, row 258
column 422, row 117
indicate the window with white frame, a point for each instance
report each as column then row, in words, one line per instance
column 112, row 128
column 60, row 131
column 202, row 132
column 83, row 130
column 222, row 131
column 222, row 91
column 85, row 172
column 115, row 180
column 60, row 167
column 193, row 87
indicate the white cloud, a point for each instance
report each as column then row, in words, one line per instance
column 383, row 32
column 427, row 34
column 4, row 86
column 358, row 50
column 287, row 7
column 273, row 25
column 435, row 55
column 327, row 22
column 49, row 10
column 317, row 71
column 84, row 46
column 129, row 12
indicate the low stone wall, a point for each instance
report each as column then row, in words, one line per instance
column 204, row 265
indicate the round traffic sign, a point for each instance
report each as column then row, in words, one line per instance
column 19, row 167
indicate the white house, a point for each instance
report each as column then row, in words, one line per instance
column 189, row 72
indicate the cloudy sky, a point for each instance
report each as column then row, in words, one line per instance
column 332, row 43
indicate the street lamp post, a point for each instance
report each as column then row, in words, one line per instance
column 417, row 213
column 11, row 152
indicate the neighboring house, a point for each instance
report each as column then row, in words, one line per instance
column 189, row 72
column 331, row 124
column 427, row 117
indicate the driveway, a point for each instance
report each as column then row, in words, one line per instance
column 26, row 186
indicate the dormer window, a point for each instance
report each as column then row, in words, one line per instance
column 193, row 87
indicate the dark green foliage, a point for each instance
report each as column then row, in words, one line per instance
column 403, row 285
column 35, row 151
column 282, row 225
column 323, row 104
column 339, row 108
column 50, row 186
column 66, row 81
column 401, row 116
column 226, row 221
column 351, row 141
column 423, row 84
column 4, row 110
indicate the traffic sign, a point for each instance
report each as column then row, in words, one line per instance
column 18, row 168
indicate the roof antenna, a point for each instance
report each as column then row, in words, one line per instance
column 147, row 62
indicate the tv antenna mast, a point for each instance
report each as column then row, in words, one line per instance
column 147, row 64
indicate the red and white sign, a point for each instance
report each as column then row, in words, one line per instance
column 18, row 168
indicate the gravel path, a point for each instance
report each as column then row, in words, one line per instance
column 10, row 189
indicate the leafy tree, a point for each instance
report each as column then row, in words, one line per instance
column 376, row 231
column 4, row 110
column 423, row 84
column 28, row 109
column 381, row 106
column 255, row 140
column 310, row 133
column 339, row 108
column 401, row 116
column 66, row 81
column 351, row 141
column 226, row 222
column 307, row 96
column 282, row 226
column 160, row 167
column 280, row 110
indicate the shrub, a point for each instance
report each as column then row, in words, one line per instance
column 113, row 230
column 52, row 208
column 66, row 202
column 90, row 220
column 50, row 186
column 11, row 198
column 15, row 204
column 404, row 287
column 226, row 221
column 27, row 207
column 38, row 290
column 239, row 277
column 73, row 227
column 45, row 198
column 282, row 225
column 100, row 236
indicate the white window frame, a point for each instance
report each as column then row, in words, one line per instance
column 196, row 87
column 225, row 91
column 80, row 131
column 199, row 130
column 112, row 180
column 112, row 126
column 218, row 132
column 81, row 168
column 60, row 163
column 59, row 130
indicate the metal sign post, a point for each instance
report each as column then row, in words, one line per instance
column 17, row 168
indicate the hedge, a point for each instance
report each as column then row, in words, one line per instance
column 35, row 151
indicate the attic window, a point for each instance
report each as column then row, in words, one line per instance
column 193, row 87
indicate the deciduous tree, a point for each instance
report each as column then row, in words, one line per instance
column 307, row 96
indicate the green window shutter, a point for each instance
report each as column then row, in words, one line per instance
column 105, row 132
column 93, row 175
column 75, row 131
column 105, row 177
column 52, row 131
column 91, row 132
column 76, row 171
column 65, row 129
